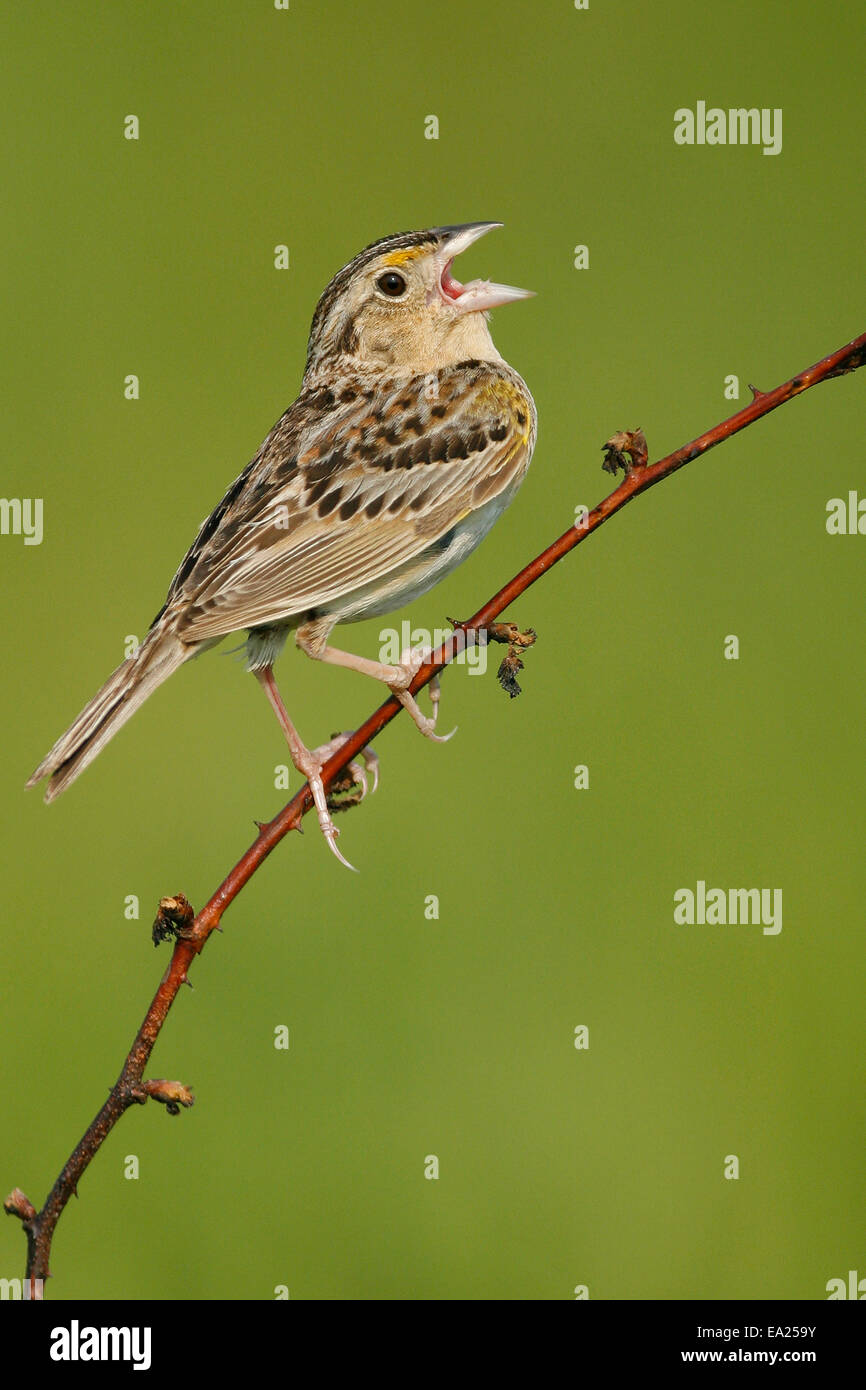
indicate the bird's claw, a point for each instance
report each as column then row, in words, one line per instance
column 411, row 661
column 330, row 835
column 310, row 766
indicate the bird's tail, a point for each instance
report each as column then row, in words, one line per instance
column 158, row 656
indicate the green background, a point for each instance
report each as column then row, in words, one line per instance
column 454, row 1037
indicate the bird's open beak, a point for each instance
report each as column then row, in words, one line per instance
column 477, row 295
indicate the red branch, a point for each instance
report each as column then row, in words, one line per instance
column 129, row 1088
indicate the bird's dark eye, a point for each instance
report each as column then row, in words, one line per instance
column 392, row 284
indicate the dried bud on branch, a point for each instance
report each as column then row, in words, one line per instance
column 626, row 450
column 19, row 1204
column 174, row 917
column 171, row 1094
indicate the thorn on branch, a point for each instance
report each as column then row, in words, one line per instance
column 627, row 449
column 173, row 920
column 756, row 394
column 19, row 1204
column 171, row 1094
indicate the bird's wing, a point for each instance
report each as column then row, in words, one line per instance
column 347, row 489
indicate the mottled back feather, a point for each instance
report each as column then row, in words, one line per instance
column 391, row 465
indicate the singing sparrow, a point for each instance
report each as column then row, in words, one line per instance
column 408, row 439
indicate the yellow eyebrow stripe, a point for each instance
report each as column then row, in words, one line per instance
column 401, row 257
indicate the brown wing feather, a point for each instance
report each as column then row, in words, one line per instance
column 346, row 490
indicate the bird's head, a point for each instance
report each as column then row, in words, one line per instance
column 398, row 307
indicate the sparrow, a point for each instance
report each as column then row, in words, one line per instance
column 409, row 438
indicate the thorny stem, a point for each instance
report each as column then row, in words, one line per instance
column 130, row 1089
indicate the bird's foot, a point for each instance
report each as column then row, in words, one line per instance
column 349, row 786
column 309, row 763
column 410, row 664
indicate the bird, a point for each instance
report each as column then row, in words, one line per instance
column 408, row 439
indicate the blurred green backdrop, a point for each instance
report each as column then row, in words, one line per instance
column 455, row 1037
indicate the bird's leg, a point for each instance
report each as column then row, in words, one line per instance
column 308, row 762
column 397, row 677
column 411, row 660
